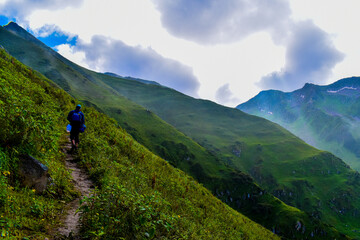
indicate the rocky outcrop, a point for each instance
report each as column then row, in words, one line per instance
column 33, row 173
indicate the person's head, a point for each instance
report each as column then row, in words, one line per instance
column 78, row 107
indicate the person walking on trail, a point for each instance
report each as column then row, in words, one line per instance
column 77, row 121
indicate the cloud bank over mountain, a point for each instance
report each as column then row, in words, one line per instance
column 115, row 56
column 225, row 95
column 310, row 57
column 310, row 53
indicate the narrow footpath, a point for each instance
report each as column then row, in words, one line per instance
column 71, row 223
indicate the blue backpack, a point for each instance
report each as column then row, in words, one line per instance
column 76, row 117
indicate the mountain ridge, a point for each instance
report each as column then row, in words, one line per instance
column 132, row 78
column 335, row 104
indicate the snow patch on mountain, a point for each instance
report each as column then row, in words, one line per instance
column 344, row 88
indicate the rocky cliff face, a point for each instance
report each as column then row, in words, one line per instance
column 34, row 174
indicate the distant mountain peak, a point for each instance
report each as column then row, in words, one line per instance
column 12, row 23
column 326, row 116
column 14, row 27
column 309, row 86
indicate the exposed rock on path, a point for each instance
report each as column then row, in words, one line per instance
column 82, row 183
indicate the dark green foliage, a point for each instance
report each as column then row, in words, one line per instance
column 175, row 152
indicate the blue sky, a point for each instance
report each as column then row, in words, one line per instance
column 3, row 20
column 225, row 51
column 58, row 38
column 53, row 39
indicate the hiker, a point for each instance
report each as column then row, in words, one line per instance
column 77, row 121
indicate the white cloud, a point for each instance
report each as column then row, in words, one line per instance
column 214, row 21
column 70, row 52
column 211, row 64
column 340, row 19
column 225, row 96
column 310, row 57
column 22, row 8
column 114, row 56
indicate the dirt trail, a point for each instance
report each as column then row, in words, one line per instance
column 71, row 223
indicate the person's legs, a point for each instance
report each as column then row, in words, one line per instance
column 76, row 140
column 72, row 138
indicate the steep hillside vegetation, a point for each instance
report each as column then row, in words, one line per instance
column 300, row 175
column 138, row 195
column 327, row 117
column 31, row 119
column 231, row 141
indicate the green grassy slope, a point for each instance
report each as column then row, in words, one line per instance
column 222, row 153
column 300, row 175
column 31, row 119
column 138, row 194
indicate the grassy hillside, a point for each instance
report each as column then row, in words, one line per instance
column 138, row 194
column 300, row 175
column 258, row 147
column 31, row 120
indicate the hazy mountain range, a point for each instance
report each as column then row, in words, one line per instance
column 327, row 117
column 246, row 161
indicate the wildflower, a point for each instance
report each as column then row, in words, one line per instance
column 6, row 173
column 33, row 190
